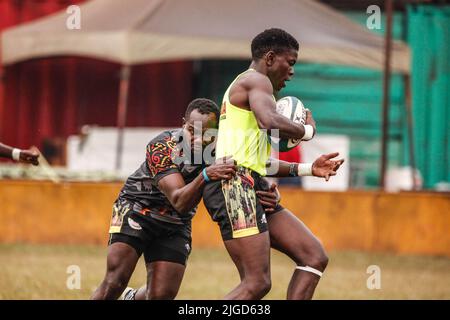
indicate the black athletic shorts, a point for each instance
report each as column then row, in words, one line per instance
column 234, row 205
column 157, row 240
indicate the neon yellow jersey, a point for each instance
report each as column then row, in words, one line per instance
column 240, row 137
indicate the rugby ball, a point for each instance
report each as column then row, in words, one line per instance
column 293, row 109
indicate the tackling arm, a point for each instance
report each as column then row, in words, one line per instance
column 184, row 197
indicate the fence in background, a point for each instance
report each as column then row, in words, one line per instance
column 79, row 213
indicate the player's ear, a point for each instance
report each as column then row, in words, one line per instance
column 270, row 58
column 184, row 121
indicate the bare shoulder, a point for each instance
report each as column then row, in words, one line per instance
column 253, row 80
column 248, row 82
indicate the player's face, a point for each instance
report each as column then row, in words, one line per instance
column 195, row 128
column 282, row 68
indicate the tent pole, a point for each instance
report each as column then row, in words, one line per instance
column 386, row 92
column 125, row 73
column 412, row 159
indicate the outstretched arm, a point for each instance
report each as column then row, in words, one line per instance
column 26, row 156
column 323, row 167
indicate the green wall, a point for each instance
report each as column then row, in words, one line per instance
column 429, row 38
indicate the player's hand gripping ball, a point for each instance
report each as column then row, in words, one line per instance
column 293, row 109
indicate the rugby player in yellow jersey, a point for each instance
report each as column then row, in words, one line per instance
column 248, row 232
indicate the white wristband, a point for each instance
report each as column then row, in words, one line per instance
column 305, row 169
column 309, row 132
column 16, row 154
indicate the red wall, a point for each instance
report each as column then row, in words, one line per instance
column 54, row 97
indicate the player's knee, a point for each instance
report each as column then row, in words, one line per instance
column 318, row 260
column 314, row 257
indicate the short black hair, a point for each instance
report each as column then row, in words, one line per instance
column 204, row 106
column 273, row 39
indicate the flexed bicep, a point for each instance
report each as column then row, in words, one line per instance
column 262, row 103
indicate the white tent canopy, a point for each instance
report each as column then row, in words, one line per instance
column 141, row 31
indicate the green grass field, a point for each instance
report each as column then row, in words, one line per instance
column 39, row 272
